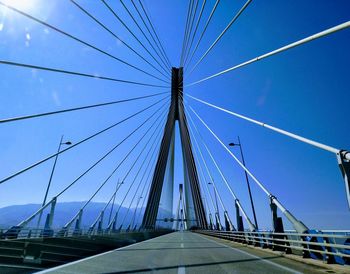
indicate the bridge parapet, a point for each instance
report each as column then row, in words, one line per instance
column 331, row 246
column 34, row 249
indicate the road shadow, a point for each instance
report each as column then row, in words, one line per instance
column 193, row 265
column 167, row 248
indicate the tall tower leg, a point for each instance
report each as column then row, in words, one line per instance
column 176, row 113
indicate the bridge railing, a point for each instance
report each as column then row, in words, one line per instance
column 39, row 249
column 328, row 246
column 29, row 233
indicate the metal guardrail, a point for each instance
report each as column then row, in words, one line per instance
column 43, row 248
column 328, row 246
column 31, row 233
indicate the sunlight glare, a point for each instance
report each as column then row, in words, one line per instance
column 21, row 4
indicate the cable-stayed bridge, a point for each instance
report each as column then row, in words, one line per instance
column 150, row 221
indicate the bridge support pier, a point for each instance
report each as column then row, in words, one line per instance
column 228, row 224
column 218, row 223
column 211, row 224
column 277, row 224
column 77, row 228
column 100, row 223
column 298, row 225
column 239, row 218
column 48, row 232
column 344, row 165
column 240, row 226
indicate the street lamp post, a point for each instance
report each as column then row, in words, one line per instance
column 247, row 179
column 51, row 176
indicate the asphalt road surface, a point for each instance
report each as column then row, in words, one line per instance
column 186, row 252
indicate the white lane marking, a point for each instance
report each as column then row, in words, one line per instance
column 181, row 270
column 253, row 256
column 95, row 256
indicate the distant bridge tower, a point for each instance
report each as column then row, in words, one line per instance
column 163, row 179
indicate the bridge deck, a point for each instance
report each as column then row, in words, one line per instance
column 185, row 252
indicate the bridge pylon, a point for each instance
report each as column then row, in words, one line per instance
column 196, row 216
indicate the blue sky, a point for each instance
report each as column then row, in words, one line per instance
column 304, row 90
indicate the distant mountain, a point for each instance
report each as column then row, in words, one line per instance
column 12, row 215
